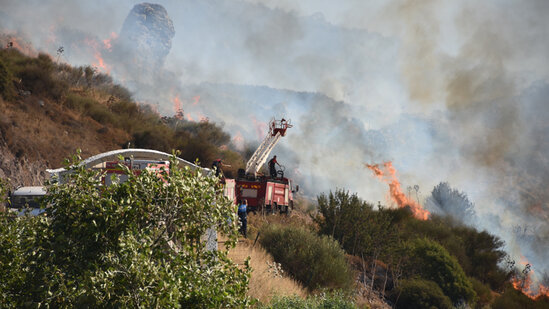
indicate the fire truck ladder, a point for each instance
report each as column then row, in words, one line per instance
column 277, row 129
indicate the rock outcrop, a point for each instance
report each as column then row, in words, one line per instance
column 146, row 36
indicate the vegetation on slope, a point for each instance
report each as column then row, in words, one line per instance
column 115, row 248
column 77, row 96
column 133, row 244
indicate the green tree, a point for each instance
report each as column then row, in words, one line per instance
column 431, row 261
column 133, row 244
column 421, row 294
column 453, row 203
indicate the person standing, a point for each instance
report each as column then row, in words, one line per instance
column 272, row 169
column 216, row 166
column 242, row 216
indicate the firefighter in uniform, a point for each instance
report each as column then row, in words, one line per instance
column 216, row 165
column 272, row 169
column 242, row 216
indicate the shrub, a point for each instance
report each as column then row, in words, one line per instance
column 132, row 244
column 316, row 261
column 420, row 294
column 6, row 82
column 512, row 298
column 432, row 262
column 484, row 294
column 101, row 114
column 79, row 103
column 322, row 301
column 353, row 222
column 480, row 254
column 37, row 76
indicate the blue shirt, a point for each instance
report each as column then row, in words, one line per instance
column 242, row 208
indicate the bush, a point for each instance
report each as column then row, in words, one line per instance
column 79, row 103
column 353, row 222
column 432, row 262
column 484, row 294
column 480, row 254
column 420, row 294
column 6, row 82
column 37, row 76
column 132, row 244
column 317, row 262
column 322, row 301
column 512, row 298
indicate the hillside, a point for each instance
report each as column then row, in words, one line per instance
column 338, row 243
column 49, row 110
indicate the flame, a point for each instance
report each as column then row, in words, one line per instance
column 14, row 41
column 196, row 99
column 387, row 174
column 108, row 42
column 177, row 106
column 238, row 141
column 100, row 63
column 260, row 128
column 525, row 284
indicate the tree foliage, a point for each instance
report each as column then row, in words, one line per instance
column 353, row 222
column 452, row 202
column 420, row 294
column 431, row 261
column 317, row 262
column 132, row 244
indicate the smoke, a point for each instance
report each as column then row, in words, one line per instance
column 448, row 91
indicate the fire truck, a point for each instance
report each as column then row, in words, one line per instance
column 264, row 193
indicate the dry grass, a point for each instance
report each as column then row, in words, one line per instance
column 51, row 133
column 267, row 280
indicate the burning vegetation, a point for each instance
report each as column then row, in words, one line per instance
column 525, row 281
column 388, row 174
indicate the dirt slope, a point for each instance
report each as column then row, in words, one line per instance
column 36, row 134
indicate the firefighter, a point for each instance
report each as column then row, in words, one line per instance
column 216, row 166
column 272, row 169
column 242, row 216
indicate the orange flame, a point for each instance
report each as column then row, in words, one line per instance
column 525, row 283
column 387, row 174
column 177, row 106
column 196, row 99
column 108, row 42
column 19, row 44
column 260, row 128
column 100, row 64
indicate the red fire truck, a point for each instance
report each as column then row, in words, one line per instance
column 266, row 193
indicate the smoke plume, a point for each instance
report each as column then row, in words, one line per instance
column 448, row 91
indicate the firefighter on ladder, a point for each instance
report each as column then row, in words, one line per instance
column 272, row 169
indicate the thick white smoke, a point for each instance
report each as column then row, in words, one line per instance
column 449, row 91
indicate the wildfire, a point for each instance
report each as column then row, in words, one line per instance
column 196, row 99
column 260, row 127
column 524, row 282
column 13, row 41
column 100, row 63
column 387, row 173
column 238, row 141
column 108, row 42
column 177, row 105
